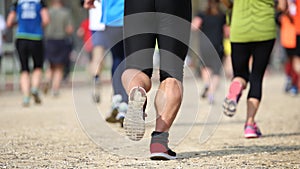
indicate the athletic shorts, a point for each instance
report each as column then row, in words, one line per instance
column 57, row 51
column 166, row 22
column 108, row 37
column 27, row 48
column 294, row 51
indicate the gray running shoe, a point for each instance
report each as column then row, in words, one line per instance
column 134, row 122
column 96, row 92
column 229, row 107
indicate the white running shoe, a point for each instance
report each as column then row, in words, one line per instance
column 134, row 122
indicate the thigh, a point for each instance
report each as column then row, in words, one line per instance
column 173, row 19
column 241, row 53
column 23, row 54
column 99, row 39
column 261, row 57
column 138, row 6
column 139, row 50
column 37, row 52
column 173, row 31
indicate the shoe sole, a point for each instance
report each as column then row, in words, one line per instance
column 229, row 107
column 134, row 122
column 251, row 136
column 161, row 156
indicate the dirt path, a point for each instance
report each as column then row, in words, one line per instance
column 50, row 135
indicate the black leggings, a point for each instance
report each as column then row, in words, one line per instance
column 150, row 24
column 241, row 53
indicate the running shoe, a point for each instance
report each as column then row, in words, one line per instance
column 252, row 131
column 293, row 91
column 134, row 122
column 118, row 108
column 159, row 147
column 288, row 84
column 26, row 101
column 231, row 101
column 55, row 93
column 46, row 88
column 36, row 96
column 112, row 118
column 211, row 99
column 96, row 91
column 204, row 93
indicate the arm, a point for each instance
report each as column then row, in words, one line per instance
column 88, row 4
column 227, row 3
column 226, row 31
column 69, row 29
column 282, row 5
column 80, row 32
column 10, row 22
column 196, row 23
column 45, row 17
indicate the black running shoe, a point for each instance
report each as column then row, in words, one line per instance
column 204, row 93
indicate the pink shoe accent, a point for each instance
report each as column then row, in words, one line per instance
column 235, row 90
column 158, row 148
column 252, row 131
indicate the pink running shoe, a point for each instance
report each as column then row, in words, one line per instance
column 252, row 131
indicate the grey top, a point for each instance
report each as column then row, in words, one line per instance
column 60, row 19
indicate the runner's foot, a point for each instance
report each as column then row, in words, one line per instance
column 134, row 122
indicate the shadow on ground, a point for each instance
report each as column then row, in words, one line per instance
column 238, row 150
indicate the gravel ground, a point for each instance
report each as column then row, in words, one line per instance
column 50, row 135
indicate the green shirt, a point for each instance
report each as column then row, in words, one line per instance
column 253, row 20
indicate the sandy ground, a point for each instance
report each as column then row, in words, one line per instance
column 53, row 135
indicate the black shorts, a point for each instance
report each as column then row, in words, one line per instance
column 27, row 48
column 164, row 21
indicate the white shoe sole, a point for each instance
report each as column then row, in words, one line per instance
column 251, row 136
column 161, row 156
column 134, row 123
column 229, row 107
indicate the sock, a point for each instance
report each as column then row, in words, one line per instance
column 34, row 90
column 96, row 78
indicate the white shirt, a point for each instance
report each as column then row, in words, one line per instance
column 95, row 17
column 2, row 27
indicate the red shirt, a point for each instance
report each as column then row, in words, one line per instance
column 88, row 45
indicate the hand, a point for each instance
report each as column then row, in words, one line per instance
column 88, row 4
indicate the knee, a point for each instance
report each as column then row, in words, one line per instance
column 297, row 68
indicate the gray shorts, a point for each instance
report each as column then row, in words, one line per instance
column 108, row 37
